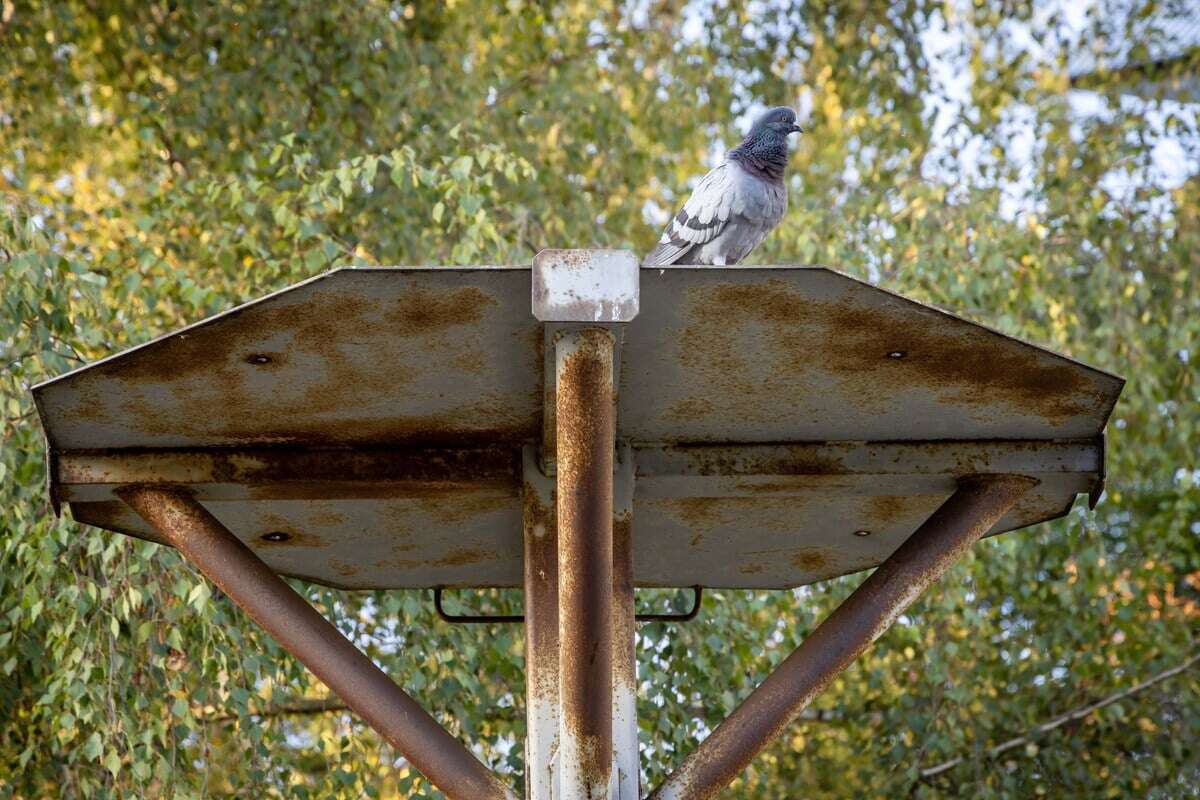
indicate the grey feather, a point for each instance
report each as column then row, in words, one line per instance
column 736, row 205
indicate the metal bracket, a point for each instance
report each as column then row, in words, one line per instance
column 476, row 619
column 470, row 619
column 687, row 616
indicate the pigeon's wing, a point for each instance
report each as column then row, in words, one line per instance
column 702, row 218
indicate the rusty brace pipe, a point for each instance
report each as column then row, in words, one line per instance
column 312, row 639
column 974, row 508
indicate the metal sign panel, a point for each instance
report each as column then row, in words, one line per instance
column 769, row 354
column 789, row 424
column 352, row 358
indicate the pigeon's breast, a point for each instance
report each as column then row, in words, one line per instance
column 760, row 201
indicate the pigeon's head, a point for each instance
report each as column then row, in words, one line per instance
column 779, row 121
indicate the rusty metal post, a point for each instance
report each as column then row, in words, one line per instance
column 584, row 417
column 541, row 630
column 969, row 513
column 302, row 631
column 624, row 626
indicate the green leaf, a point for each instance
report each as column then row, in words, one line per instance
column 199, row 595
column 93, row 747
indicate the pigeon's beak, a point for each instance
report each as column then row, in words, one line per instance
column 796, row 129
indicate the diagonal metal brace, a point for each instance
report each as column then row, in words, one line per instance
column 312, row 639
column 975, row 507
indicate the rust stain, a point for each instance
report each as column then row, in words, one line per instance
column 241, row 332
column 541, row 594
column 460, row 506
column 456, row 557
column 884, row 510
column 698, row 512
column 323, row 354
column 381, row 490
column 343, row 568
column 422, row 311
column 572, row 258
column 774, row 487
column 718, row 460
column 624, row 625
column 116, row 516
column 809, row 464
column 810, row 558
column 420, row 468
column 463, row 555
column 471, row 362
column 732, row 330
column 538, row 517
column 89, row 403
column 690, row 408
column 585, row 419
column 964, row 365
column 479, row 423
column 326, row 516
column 750, row 569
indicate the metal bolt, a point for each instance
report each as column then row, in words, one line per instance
column 276, row 536
column 258, row 358
column 896, row 354
column 862, row 532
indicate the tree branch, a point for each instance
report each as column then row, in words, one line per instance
column 299, row 707
column 1071, row 716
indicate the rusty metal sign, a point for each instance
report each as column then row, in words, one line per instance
column 751, row 427
column 365, row 428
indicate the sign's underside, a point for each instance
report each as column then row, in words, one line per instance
column 376, row 418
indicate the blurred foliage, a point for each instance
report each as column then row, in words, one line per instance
column 162, row 161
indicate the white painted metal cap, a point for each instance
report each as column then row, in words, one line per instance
column 585, row 286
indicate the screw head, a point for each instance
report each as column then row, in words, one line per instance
column 896, row 354
column 862, row 532
column 258, row 359
column 276, row 536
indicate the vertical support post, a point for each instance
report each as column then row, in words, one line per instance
column 625, row 729
column 585, row 440
column 541, row 630
column 314, row 641
column 974, row 508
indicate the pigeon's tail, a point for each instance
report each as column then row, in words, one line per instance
column 667, row 253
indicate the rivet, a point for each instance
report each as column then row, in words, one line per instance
column 862, row 532
column 897, row 354
column 258, row 358
column 276, row 536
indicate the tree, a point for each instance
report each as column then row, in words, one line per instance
column 162, row 161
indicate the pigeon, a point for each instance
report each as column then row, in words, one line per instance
column 737, row 204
